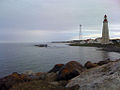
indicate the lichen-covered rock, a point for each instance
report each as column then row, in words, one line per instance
column 70, row 70
column 8, row 81
column 56, row 68
column 105, row 77
column 89, row 65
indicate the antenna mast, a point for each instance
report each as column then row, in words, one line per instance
column 80, row 32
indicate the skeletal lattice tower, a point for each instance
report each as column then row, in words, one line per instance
column 80, row 32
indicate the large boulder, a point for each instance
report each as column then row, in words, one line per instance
column 56, row 68
column 70, row 70
column 89, row 65
column 105, row 77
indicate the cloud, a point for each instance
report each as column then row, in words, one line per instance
column 115, row 27
column 55, row 19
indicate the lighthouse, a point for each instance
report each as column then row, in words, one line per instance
column 105, row 31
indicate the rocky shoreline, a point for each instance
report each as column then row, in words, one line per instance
column 69, row 76
column 107, row 47
column 111, row 49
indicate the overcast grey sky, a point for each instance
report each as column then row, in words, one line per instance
column 52, row 20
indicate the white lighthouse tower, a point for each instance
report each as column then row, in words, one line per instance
column 105, row 31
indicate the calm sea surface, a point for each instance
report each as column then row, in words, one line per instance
column 23, row 57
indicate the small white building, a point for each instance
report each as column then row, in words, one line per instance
column 82, row 42
column 90, row 41
column 98, row 40
column 118, row 40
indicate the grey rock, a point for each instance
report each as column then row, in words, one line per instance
column 105, row 77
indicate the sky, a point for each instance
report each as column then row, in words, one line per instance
column 56, row 20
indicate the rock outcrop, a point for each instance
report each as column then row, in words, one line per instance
column 70, row 70
column 105, row 77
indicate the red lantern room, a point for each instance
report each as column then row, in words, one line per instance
column 105, row 18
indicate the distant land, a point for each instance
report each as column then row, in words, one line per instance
column 97, row 40
column 113, row 46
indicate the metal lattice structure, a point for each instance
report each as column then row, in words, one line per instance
column 80, row 32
